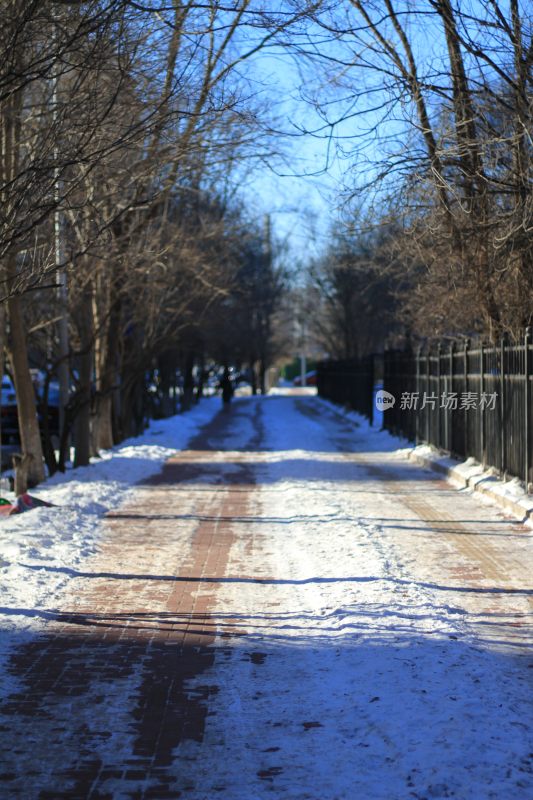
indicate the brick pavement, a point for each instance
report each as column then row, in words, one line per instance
column 139, row 622
column 337, row 583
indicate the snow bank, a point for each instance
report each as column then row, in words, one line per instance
column 63, row 536
column 469, row 474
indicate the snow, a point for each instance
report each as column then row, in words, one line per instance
column 64, row 536
column 509, row 493
column 379, row 621
column 370, row 678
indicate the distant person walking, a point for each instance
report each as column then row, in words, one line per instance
column 227, row 388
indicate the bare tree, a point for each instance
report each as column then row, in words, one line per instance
column 45, row 132
column 356, row 293
column 110, row 112
column 444, row 136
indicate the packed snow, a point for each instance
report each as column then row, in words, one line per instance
column 66, row 535
column 356, row 672
column 372, row 630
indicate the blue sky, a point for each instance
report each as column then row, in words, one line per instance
column 304, row 190
column 299, row 188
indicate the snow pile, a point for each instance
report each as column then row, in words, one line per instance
column 62, row 537
column 510, row 494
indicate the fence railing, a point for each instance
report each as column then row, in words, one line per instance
column 349, row 382
column 471, row 401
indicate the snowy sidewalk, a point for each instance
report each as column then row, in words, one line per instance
column 289, row 610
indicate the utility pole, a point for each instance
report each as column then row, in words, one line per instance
column 61, row 276
column 303, row 357
column 267, row 255
column 267, row 242
column 302, row 335
column 63, row 367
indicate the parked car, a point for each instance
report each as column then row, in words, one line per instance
column 9, row 426
column 8, row 391
column 9, row 430
column 310, row 379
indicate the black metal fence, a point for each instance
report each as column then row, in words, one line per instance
column 472, row 401
column 349, row 382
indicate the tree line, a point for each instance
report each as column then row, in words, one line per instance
column 432, row 104
column 126, row 250
column 124, row 247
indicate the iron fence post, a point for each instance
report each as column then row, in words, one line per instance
column 370, row 388
column 417, row 405
column 450, row 410
column 428, row 362
column 502, row 406
column 527, row 399
column 385, row 384
column 446, row 393
column 438, row 442
column 465, row 446
column 482, row 410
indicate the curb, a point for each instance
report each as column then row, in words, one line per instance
column 472, row 477
column 478, row 481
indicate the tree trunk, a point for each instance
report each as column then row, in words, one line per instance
column 133, row 407
column 262, row 375
column 253, row 375
column 106, row 361
column 2, row 345
column 201, row 379
column 188, row 384
column 30, row 436
column 48, row 447
column 2, row 338
column 82, row 424
column 103, row 432
column 167, row 375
